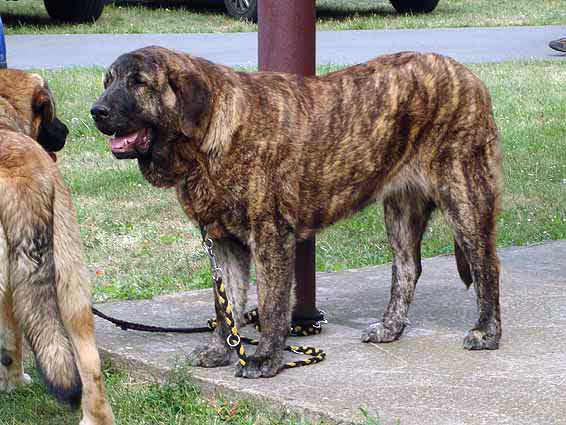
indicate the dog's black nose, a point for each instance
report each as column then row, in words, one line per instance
column 100, row 112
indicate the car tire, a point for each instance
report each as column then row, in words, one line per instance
column 414, row 6
column 245, row 10
column 74, row 10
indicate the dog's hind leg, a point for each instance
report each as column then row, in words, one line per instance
column 407, row 212
column 73, row 292
column 470, row 199
column 234, row 260
column 79, row 322
column 11, row 358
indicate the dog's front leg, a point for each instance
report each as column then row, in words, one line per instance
column 234, row 260
column 274, row 255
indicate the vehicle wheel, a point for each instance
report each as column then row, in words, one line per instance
column 414, row 6
column 74, row 10
column 245, row 10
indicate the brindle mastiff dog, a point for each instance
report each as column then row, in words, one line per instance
column 264, row 159
column 44, row 290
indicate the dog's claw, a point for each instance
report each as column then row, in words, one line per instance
column 478, row 339
column 260, row 367
column 378, row 332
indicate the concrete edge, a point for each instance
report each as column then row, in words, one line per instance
column 144, row 372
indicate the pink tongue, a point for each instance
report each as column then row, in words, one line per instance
column 118, row 143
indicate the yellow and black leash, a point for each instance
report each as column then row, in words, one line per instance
column 235, row 341
column 312, row 328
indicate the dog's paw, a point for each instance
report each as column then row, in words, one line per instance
column 479, row 339
column 107, row 420
column 260, row 367
column 9, row 383
column 90, row 421
column 378, row 332
column 213, row 355
column 98, row 413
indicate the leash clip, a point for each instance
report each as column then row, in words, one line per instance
column 217, row 274
column 323, row 321
column 233, row 342
column 207, row 244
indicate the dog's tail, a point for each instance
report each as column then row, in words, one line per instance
column 463, row 266
column 26, row 217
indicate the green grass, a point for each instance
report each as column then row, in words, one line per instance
column 175, row 402
column 138, row 242
column 179, row 16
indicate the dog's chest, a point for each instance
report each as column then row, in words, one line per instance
column 209, row 208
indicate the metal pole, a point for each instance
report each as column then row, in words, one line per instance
column 287, row 36
column 286, row 41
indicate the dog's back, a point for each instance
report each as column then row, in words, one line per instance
column 28, row 185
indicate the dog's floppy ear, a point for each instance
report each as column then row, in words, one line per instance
column 43, row 104
column 193, row 100
column 50, row 132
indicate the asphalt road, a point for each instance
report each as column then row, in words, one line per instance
column 468, row 45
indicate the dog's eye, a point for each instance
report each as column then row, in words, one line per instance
column 107, row 80
column 138, row 80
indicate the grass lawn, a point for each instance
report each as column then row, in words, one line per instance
column 176, row 402
column 176, row 16
column 138, row 242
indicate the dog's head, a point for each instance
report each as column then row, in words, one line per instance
column 152, row 97
column 27, row 106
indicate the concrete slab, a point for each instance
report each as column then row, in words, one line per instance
column 424, row 378
column 467, row 45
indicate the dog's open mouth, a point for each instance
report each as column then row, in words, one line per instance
column 130, row 145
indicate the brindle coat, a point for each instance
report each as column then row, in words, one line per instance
column 44, row 290
column 264, row 159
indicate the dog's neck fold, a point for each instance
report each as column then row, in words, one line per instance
column 228, row 111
